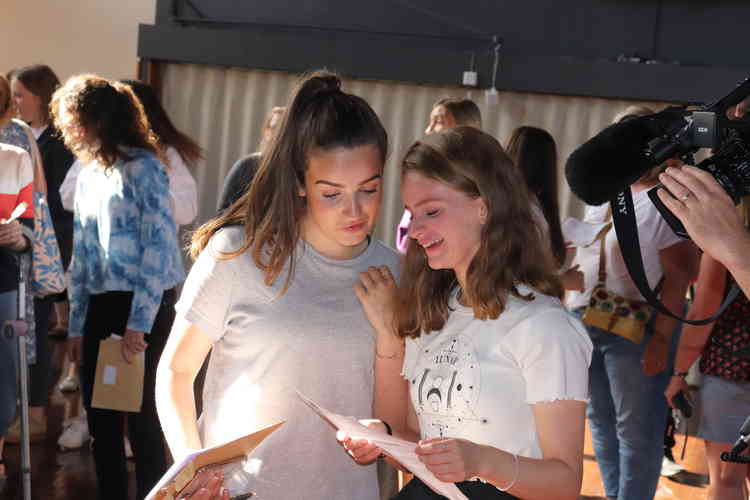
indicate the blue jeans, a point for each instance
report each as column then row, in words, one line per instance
column 8, row 362
column 627, row 414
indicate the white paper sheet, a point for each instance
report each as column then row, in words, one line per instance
column 581, row 234
column 110, row 375
column 397, row 448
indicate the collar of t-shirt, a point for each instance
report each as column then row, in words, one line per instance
column 38, row 131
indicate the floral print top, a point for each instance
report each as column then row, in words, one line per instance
column 124, row 238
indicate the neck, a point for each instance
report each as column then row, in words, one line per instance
column 37, row 124
column 6, row 116
column 328, row 248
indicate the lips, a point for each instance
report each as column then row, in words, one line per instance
column 432, row 245
column 357, row 226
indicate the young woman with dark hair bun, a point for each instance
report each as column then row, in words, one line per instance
column 271, row 297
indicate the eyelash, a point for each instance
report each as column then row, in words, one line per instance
column 334, row 195
column 432, row 213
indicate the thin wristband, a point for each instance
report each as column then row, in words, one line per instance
column 680, row 374
column 515, row 475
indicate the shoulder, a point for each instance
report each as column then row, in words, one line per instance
column 228, row 239
column 144, row 163
column 542, row 319
column 245, row 166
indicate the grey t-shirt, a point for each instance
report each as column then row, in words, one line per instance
column 315, row 338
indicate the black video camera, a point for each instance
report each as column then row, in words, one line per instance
column 708, row 127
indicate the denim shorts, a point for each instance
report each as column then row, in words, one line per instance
column 724, row 405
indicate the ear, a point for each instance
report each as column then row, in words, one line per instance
column 301, row 191
column 483, row 211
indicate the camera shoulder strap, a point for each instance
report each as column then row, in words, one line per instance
column 623, row 216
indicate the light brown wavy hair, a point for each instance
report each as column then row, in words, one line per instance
column 107, row 118
column 320, row 116
column 512, row 249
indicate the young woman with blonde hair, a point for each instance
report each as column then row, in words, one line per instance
column 496, row 367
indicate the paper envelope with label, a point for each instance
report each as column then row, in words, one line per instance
column 118, row 385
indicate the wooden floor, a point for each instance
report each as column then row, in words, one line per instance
column 70, row 475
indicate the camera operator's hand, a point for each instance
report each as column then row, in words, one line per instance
column 708, row 214
column 676, row 385
column 739, row 110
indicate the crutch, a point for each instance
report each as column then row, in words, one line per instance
column 19, row 329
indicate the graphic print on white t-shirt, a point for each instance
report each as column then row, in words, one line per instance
column 445, row 387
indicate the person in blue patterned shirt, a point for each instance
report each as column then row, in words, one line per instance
column 126, row 263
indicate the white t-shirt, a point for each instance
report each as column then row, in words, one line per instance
column 477, row 379
column 654, row 235
column 315, row 338
column 183, row 191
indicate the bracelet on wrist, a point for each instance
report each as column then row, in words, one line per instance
column 680, row 374
column 517, row 470
column 396, row 355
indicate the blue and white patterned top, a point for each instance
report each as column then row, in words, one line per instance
column 13, row 133
column 124, row 238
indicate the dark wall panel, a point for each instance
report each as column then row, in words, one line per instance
column 568, row 47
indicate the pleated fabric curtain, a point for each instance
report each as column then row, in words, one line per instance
column 223, row 109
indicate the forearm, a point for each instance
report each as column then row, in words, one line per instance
column 175, row 403
column 741, row 274
column 560, row 480
column 390, row 393
column 673, row 298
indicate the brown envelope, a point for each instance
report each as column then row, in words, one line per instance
column 179, row 476
column 118, row 384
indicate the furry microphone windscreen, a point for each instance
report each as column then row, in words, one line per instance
column 611, row 160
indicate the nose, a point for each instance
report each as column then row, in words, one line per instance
column 414, row 231
column 354, row 207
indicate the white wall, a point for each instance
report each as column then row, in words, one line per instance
column 73, row 36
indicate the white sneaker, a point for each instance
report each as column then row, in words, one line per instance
column 669, row 468
column 75, row 434
column 69, row 384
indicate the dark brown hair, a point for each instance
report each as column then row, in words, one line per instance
column 40, row 80
column 108, row 113
column 165, row 131
column 512, row 249
column 4, row 95
column 464, row 111
column 319, row 117
column 534, row 151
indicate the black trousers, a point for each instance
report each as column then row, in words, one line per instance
column 108, row 313
column 40, row 372
column 474, row 490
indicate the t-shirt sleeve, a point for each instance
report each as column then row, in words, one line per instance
column 554, row 352
column 207, row 293
column 410, row 357
column 653, row 228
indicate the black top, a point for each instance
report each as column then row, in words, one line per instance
column 9, row 264
column 56, row 161
column 238, row 179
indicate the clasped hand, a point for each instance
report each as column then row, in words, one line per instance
column 450, row 460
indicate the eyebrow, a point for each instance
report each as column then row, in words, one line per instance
column 423, row 202
column 329, row 183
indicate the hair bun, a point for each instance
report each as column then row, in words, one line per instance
column 321, row 82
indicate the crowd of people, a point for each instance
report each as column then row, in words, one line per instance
column 473, row 339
